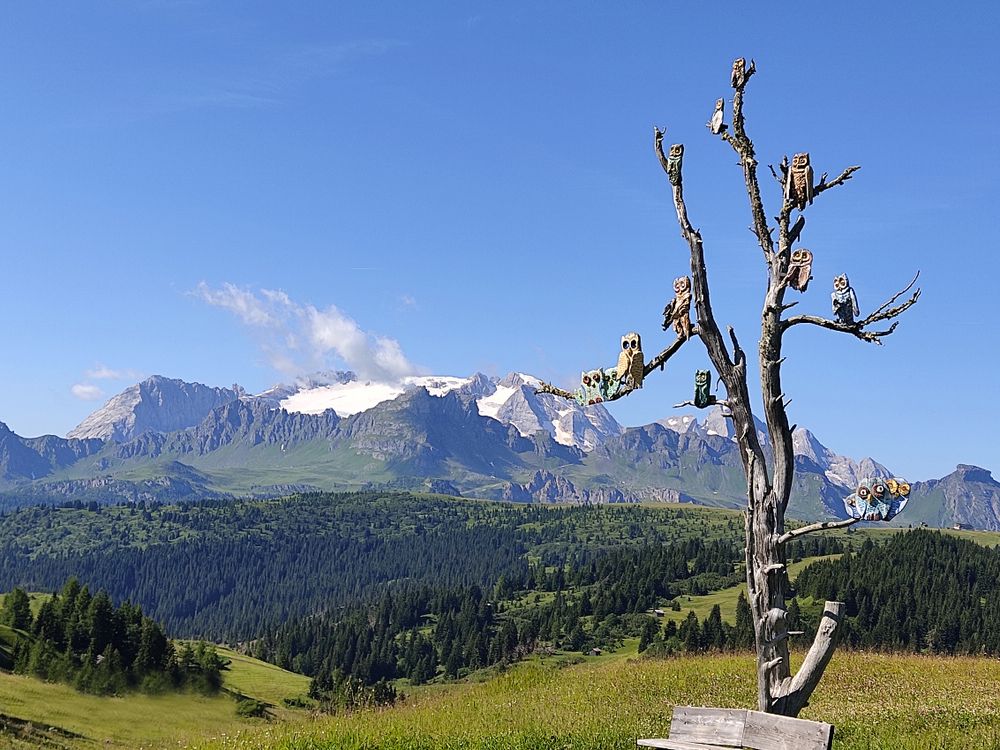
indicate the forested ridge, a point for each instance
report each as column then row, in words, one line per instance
column 231, row 571
column 921, row 591
column 583, row 602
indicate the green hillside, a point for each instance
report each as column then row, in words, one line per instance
column 36, row 712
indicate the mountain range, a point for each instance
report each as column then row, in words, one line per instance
column 494, row 438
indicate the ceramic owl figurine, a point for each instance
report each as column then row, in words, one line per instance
column 598, row 386
column 877, row 499
column 799, row 182
column 845, row 301
column 675, row 160
column 715, row 124
column 703, row 389
column 678, row 310
column 589, row 391
column 799, row 269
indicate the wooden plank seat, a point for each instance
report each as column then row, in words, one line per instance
column 693, row 728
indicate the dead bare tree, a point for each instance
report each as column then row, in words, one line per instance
column 769, row 483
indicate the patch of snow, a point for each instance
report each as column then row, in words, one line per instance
column 490, row 405
column 344, row 398
column 357, row 396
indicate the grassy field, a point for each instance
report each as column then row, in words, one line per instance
column 63, row 717
column 875, row 701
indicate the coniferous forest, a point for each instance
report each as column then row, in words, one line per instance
column 360, row 590
column 83, row 639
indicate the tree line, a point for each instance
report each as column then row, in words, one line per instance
column 83, row 639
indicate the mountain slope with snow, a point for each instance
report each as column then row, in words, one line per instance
column 511, row 401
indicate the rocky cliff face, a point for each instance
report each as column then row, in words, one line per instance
column 157, row 404
column 35, row 458
column 969, row 496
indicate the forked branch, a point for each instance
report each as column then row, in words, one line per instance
column 838, row 180
column 888, row 310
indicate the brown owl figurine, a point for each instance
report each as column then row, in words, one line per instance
column 799, row 269
column 678, row 310
column 799, row 182
column 739, row 72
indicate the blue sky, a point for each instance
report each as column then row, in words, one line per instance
column 452, row 187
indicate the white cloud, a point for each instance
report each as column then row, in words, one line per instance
column 241, row 302
column 87, row 391
column 300, row 338
column 408, row 300
column 103, row 372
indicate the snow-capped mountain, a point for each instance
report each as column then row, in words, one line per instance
column 511, row 401
column 477, row 436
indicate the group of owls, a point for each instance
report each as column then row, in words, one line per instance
column 877, row 499
column 607, row 384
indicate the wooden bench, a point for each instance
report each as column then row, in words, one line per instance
column 694, row 728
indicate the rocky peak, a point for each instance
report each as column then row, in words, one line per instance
column 158, row 403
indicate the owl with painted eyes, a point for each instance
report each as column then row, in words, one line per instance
column 877, row 499
column 678, row 310
column 799, row 182
column 598, row 386
column 631, row 361
column 703, row 389
column 844, row 300
column 675, row 160
column 589, row 392
column 799, row 269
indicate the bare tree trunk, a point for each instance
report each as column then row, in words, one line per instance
column 768, row 487
column 768, row 492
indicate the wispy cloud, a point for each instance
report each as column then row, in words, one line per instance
column 409, row 301
column 103, row 372
column 298, row 338
column 87, row 391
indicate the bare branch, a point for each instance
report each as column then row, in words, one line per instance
column 743, row 147
column 549, row 388
column 839, row 180
column 796, row 230
column 884, row 307
column 660, row 359
column 885, row 311
column 818, row 526
column 717, row 402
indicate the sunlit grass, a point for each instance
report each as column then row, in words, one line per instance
column 875, row 701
